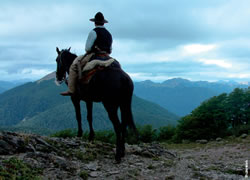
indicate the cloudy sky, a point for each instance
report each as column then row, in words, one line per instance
column 156, row 40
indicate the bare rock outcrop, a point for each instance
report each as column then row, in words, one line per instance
column 37, row 157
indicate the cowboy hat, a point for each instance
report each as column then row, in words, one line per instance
column 99, row 18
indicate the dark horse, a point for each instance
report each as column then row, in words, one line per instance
column 111, row 86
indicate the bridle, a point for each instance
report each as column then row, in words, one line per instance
column 60, row 66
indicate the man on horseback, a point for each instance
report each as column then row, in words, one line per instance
column 98, row 46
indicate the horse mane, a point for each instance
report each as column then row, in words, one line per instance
column 68, row 57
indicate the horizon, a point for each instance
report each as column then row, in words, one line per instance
column 198, row 41
column 137, row 81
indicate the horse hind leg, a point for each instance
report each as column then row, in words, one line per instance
column 112, row 113
column 127, row 120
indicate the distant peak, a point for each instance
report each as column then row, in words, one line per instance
column 47, row 77
column 176, row 82
column 147, row 82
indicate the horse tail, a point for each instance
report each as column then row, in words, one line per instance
column 126, row 114
column 126, row 110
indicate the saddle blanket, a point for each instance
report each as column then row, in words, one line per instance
column 92, row 64
column 87, row 68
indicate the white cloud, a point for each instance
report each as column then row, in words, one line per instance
column 35, row 72
column 239, row 75
column 198, row 48
column 217, row 62
column 149, row 76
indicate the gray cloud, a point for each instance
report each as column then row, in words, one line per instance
column 30, row 31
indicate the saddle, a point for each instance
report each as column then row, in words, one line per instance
column 92, row 67
column 87, row 67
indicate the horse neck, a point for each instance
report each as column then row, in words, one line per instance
column 69, row 60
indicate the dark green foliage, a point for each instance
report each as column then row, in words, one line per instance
column 107, row 136
column 166, row 133
column 17, row 169
column 67, row 133
column 239, row 130
column 238, row 106
column 217, row 117
column 84, row 175
column 131, row 137
column 147, row 133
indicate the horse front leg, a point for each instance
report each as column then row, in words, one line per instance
column 76, row 103
column 89, row 105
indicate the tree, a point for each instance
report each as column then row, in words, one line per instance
column 208, row 121
column 238, row 106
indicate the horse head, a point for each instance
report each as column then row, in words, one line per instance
column 61, row 64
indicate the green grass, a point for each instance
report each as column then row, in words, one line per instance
column 67, row 133
column 84, row 175
column 16, row 169
column 183, row 146
column 86, row 156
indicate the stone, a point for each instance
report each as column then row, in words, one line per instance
column 185, row 141
column 93, row 166
column 113, row 172
column 147, row 154
column 202, row 141
column 61, row 162
column 243, row 136
column 218, row 139
column 94, row 174
column 5, row 148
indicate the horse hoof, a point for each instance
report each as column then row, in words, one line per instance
column 117, row 161
column 79, row 135
column 91, row 138
column 122, row 154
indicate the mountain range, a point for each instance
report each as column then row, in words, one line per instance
column 6, row 85
column 37, row 106
column 181, row 96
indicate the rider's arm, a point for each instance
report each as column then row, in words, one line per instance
column 90, row 41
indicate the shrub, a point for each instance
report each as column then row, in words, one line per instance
column 239, row 130
column 166, row 133
column 84, row 175
column 131, row 137
column 107, row 136
column 147, row 134
column 67, row 133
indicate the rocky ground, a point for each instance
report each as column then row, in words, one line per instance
column 37, row 157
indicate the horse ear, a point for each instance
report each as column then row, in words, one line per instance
column 57, row 50
column 69, row 48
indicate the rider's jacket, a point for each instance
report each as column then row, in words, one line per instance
column 99, row 39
